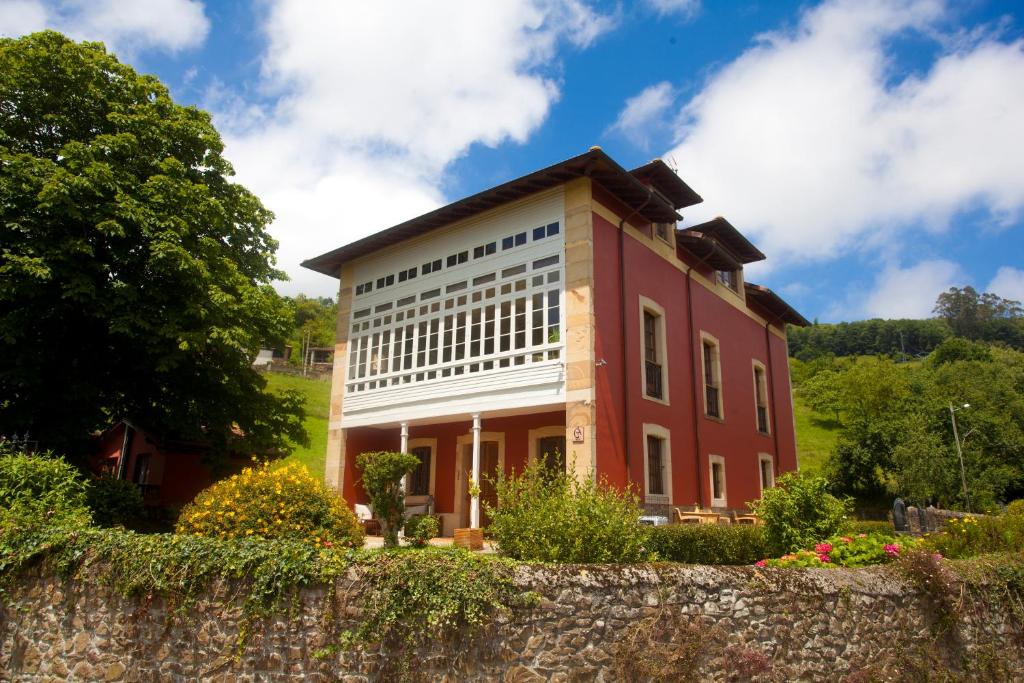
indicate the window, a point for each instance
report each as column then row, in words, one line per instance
column 712, row 377
column 551, row 450
column 730, row 278
column 654, row 370
column 717, row 474
column 657, row 465
column 661, row 231
column 767, row 469
column 761, row 398
column 655, row 468
column 420, row 481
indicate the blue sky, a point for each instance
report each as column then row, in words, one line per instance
column 873, row 149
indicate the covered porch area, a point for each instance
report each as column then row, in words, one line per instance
column 454, row 448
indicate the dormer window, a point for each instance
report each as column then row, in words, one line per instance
column 730, row 278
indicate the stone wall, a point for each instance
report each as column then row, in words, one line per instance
column 592, row 623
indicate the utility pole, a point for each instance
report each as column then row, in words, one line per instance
column 960, row 451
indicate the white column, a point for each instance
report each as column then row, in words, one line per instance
column 474, row 504
column 404, row 448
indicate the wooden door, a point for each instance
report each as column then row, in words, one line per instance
column 488, row 473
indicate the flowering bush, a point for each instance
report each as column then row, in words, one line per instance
column 860, row 550
column 969, row 536
column 272, row 502
column 41, row 486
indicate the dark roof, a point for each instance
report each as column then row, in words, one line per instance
column 773, row 303
column 724, row 232
column 663, row 179
column 657, row 207
column 708, row 249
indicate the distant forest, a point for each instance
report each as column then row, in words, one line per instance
column 959, row 312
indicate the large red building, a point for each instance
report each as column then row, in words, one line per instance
column 562, row 312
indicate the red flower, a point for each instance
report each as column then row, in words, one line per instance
column 823, row 548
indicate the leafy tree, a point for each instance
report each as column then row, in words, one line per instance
column 135, row 277
column 955, row 348
column 823, row 392
column 314, row 323
column 382, row 480
column 968, row 312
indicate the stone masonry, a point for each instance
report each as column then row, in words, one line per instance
column 592, row 623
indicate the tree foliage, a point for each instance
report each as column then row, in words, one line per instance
column 135, row 277
column 896, row 434
column 382, row 481
column 971, row 314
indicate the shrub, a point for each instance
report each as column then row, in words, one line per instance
column 419, row 529
column 549, row 516
column 799, row 511
column 283, row 502
column 382, row 480
column 709, row 543
column 42, row 485
column 852, row 527
column 114, row 502
column 970, row 536
column 1015, row 508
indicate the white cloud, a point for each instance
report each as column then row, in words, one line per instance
column 645, row 113
column 373, row 100
column 125, row 27
column 1008, row 283
column 911, row 292
column 18, row 17
column 806, row 142
column 684, row 8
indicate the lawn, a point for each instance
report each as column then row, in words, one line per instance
column 317, row 393
column 815, row 436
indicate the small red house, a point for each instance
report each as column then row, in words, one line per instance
column 169, row 472
column 562, row 311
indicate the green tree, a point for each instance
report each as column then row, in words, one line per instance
column 968, row 312
column 823, row 392
column 135, row 277
column 382, row 481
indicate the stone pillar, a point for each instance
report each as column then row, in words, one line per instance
column 580, row 368
column 334, row 472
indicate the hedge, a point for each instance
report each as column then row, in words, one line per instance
column 735, row 544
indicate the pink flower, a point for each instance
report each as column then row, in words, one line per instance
column 937, row 556
column 328, row 544
column 823, row 548
column 862, row 535
column 891, row 549
column 824, row 557
column 760, row 563
column 847, row 539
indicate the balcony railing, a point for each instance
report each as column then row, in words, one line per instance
column 762, row 419
column 653, row 379
column 711, row 396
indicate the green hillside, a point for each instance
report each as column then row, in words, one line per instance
column 815, row 436
column 317, row 393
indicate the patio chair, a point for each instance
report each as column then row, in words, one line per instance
column 748, row 518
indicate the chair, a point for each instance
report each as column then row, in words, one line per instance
column 748, row 518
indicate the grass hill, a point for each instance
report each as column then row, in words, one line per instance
column 317, row 393
column 815, row 436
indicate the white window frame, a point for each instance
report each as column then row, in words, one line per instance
column 659, row 432
column 651, row 306
column 432, row 445
column 758, row 365
column 723, row 501
column 761, row 459
column 717, row 371
column 535, row 435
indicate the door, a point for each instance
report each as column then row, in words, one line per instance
column 488, row 473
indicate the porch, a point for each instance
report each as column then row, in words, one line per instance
column 505, row 442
